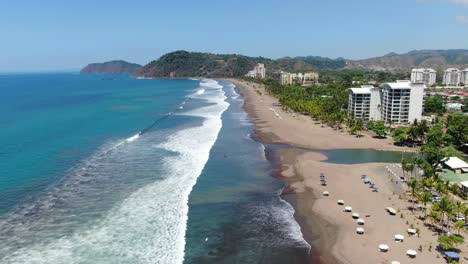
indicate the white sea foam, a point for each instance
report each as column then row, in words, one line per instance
column 149, row 226
column 133, row 138
column 200, row 91
column 210, row 84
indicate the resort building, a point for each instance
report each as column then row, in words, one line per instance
column 400, row 102
column 305, row 79
column 452, row 77
column 426, row 76
column 259, row 71
column 455, row 164
column 464, row 77
column 364, row 102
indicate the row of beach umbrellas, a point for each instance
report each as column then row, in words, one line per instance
column 360, row 221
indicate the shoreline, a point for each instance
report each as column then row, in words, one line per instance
column 329, row 231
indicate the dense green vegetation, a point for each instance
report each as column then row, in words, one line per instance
column 199, row 64
column 115, row 66
column 434, row 105
column 323, row 62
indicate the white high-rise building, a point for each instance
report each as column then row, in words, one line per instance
column 427, row 76
column 260, row 71
column 402, row 102
column 452, row 77
column 364, row 102
column 399, row 103
column 464, row 77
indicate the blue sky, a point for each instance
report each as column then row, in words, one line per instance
column 62, row 35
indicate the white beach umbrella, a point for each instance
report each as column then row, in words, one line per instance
column 411, row 231
column 348, row 209
column 399, row 238
column 355, row 215
column 411, row 253
column 360, row 230
column 340, row 202
column 360, row 221
column 326, row 193
column 384, row 247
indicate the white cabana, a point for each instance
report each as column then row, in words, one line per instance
column 326, row 193
column 395, row 262
column 340, row 202
column 355, row 215
column 360, row 221
column 411, row 231
column 384, row 247
column 399, row 238
column 348, row 209
column 411, row 253
column 360, row 230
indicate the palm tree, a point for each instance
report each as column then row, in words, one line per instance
column 434, row 215
column 458, row 206
column 404, row 164
column 427, row 182
column 414, row 185
column 422, row 129
column 459, row 226
column 425, row 198
column 445, row 206
column 440, row 187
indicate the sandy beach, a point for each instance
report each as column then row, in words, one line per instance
column 325, row 225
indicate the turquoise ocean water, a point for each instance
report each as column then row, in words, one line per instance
column 113, row 169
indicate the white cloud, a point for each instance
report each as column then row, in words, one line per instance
column 462, row 19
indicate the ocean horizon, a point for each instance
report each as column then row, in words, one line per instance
column 114, row 169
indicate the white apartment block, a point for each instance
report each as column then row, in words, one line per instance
column 427, row 76
column 400, row 102
column 307, row 78
column 452, row 77
column 364, row 102
column 259, row 71
column 464, row 77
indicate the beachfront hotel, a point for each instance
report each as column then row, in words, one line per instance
column 400, row 102
column 308, row 78
column 427, row 76
column 259, row 71
column 364, row 102
column 452, row 77
column 464, row 76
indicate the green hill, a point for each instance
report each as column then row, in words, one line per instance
column 198, row 64
column 115, row 66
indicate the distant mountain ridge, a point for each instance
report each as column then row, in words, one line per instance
column 412, row 59
column 198, row 64
column 114, row 66
column 181, row 64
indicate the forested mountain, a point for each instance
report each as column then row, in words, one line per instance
column 198, row 64
column 417, row 58
column 115, row 66
column 324, row 62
